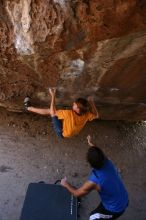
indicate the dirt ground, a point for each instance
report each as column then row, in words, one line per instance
column 31, row 152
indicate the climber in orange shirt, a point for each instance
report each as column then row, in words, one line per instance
column 67, row 123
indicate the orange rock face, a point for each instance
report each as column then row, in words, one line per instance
column 92, row 47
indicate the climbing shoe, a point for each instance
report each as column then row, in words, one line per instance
column 27, row 102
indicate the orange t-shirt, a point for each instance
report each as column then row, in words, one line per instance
column 73, row 123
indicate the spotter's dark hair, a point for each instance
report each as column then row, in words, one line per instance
column 96, row 157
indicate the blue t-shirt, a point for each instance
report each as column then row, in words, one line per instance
column 113, row 194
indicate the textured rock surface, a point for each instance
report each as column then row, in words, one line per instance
column 82, row 47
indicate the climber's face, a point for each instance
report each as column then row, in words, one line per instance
column 75, row 108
